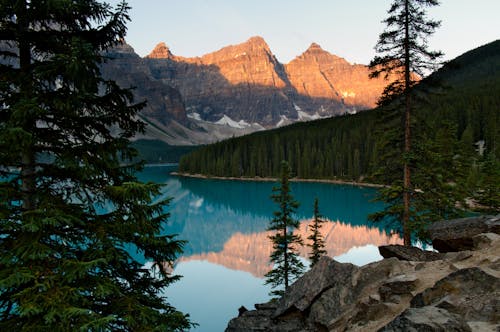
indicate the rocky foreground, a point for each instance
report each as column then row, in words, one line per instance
column 455, row 289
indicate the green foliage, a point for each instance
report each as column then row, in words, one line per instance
column 317, row 242
column 489, row 194
column 69, row 208
column 285, row 258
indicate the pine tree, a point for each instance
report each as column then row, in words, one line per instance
column 317, row 242
column 439, row 178
column 285, row 257
column 70, row 204
column 404, row 53
column 489, row 195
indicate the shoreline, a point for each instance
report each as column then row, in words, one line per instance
column 266, row 179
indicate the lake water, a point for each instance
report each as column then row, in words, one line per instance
column 228, row 250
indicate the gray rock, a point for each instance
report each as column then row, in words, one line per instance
column 394, row 288
column 457, row 234
column 484, row 240
column 406, row 253
column 345, row 297
column 471, row 293
column 426, row 319
column 325, row 274
column 252, row 320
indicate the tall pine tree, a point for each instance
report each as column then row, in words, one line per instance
column 317, row 243
column 70, row 205
column 403, row 46
column 285, row 256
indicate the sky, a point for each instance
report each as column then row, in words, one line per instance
column 347, row 28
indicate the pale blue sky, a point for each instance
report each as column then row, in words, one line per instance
column 347, row 28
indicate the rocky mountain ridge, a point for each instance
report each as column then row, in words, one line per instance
column 456, row 289
column 247, row 83
column 241, row 87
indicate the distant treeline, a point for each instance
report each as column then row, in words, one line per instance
column 156, row 151
column 467, row 102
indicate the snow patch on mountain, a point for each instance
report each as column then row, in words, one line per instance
column 227, row 121
column 283, row 122
column 303, row 116
column 194, row 116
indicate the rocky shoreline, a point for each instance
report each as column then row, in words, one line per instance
column 456, row 289
column 267, row 179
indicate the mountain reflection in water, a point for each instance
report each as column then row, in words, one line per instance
column 250, row 252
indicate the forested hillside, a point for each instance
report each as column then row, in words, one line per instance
column 456, row 117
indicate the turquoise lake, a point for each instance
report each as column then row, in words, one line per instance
column 227, row 252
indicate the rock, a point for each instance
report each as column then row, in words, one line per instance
column 457, row 234
column 426, row 319
column 242, row 310
column 399, row 285
column 252, row 320
column 271, row 305
column 458, row 256
column 471, row 293
column 408, row 253
column 261, row 320
column 484, row 240
column 326, row 274
column 348, row 297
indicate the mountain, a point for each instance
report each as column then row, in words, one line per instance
column 242, row 82
column 164, row 103
column 165, row 111
column 345, row 147
column 319, row 77
column 238, row 89
column 248, row 85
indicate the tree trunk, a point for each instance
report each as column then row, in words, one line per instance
column 28, row 157
column 285, row 254
column 407, row 124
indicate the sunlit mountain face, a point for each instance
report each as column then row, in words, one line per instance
column 250, row 252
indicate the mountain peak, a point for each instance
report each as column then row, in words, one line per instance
column 161, row 51
column 314, row 46
column 257, row 42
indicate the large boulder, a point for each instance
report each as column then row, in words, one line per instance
column 426, row 319
column 407, row 253
column 457, row 234
column 325, row 274
column 472, row 293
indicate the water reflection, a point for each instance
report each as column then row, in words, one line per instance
column 250, row 252
column 228, row 250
